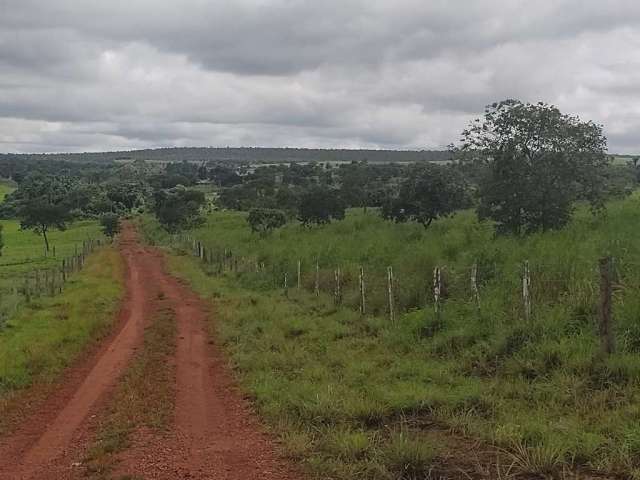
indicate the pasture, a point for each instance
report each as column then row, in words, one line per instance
column 24, row 254
column 358, row 396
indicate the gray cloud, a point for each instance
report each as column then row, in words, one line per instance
column 95, row 75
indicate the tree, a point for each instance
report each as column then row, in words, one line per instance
column 265, row 220
column 538, row 161
column 41, row 216
column 110, row 223
column 430, row 191
column 178, row 208
column 320, row 205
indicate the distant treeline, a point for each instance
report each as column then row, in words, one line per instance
column 244, row 155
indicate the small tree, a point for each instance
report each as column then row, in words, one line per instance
column 110, row 223
column 41, row 216
column 178, row 208
column 320, row 205
column 429, row 192
column 265, row 220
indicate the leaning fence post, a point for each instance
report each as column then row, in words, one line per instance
column 392, row 313
column 606, row 320
column 363, row 307
column 526, row 290
column 437, row 290
column 474, row 285
column 317, row 284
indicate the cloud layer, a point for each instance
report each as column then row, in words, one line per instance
column 95, row 75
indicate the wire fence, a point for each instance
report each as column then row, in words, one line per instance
column 42, row 282
column 373, row 290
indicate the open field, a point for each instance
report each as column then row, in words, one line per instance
column 344, row 390
column 23, row 254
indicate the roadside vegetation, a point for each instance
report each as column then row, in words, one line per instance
column 49, row 333
column 327, row 378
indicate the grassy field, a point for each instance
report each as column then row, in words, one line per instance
column 6, row 187
column 357, row 397
column 44, row 336
column 24, row 253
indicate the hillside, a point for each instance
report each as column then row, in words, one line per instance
column 243, row 155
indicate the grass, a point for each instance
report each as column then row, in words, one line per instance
column 23, row 254
column 24, row 250
column 45, row 336
column 144, row 397
column 539, row 391
column 6, row 187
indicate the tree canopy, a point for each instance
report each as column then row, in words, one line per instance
column 265, row 220
column 538, row 161
column 320, row 205
column 178, row 208
column 428, row 192
column 40, row 215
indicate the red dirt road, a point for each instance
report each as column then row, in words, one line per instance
column 214, row 436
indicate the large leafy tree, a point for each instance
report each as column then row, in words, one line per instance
column 320, row 205
column 265, row 220
column 179, row 208
column 430, row 191
column 538, row 162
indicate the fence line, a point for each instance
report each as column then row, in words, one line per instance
column 221, row 261
column 49, row 281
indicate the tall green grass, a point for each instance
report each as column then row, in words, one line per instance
column 538, row 390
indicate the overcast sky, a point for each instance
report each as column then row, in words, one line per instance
column 85, row 75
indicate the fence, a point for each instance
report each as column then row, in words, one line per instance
column 46, row 282
column 371, row 291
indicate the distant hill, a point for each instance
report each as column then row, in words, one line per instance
column 246, row 155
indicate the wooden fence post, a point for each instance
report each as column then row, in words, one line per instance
column 526, row 290
column 363, row 305
column 337, row 294
column 606, row 321
column 392, row 313
column 299, row 274
column 474, row 285
column 317, row 283
column 437, row 290
column 286, row 286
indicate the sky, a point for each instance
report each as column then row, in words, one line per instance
column 400, row 74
